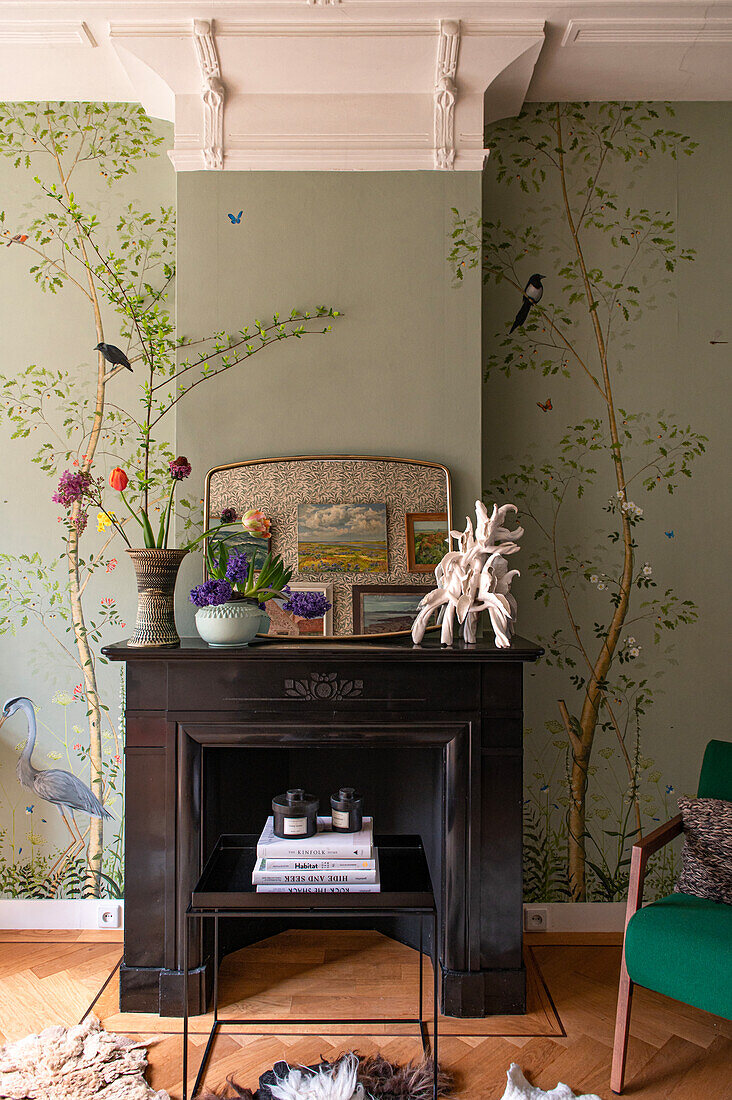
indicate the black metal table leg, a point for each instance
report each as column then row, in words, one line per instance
column 185, row 1005
column 422, row 1026
column 435, row 1004
column 216, row 1022
column 216, row 970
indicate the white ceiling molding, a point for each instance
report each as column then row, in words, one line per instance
column 448, row 48
column 355, row 84
column 47, row 33
column 590, row 32
column 212, row 95
column 384, row 96
column 168, row 29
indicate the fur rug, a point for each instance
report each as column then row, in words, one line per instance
column 75, row 1063
column 518, row 1088
column 352, row 1077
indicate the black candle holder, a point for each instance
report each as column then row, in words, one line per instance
column 295, row 814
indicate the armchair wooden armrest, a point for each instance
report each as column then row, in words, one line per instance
column 660, row 836
column 638, row 860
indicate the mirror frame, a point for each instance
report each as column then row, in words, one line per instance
column 332, row 458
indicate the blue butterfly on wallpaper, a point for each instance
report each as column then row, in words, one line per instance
column 235, row 219
column 669, row 534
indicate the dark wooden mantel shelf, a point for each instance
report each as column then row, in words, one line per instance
column 432, row 736
column 397, row 648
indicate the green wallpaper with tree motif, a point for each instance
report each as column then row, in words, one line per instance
column 602, row 423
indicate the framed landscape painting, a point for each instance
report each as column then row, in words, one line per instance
column 386, row 608
column 427, row 534
column 283, row 624
column 342, row 538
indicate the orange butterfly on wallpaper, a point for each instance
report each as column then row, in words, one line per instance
column 545, row 408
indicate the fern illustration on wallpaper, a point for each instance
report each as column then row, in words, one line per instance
column 558, row 155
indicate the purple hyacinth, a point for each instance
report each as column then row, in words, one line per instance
column 228, row 515
column 307, row 605
column 237, row 568
column 180, row 468
column 71, row 487
column 211, row 593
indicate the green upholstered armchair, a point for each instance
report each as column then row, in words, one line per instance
column 680, row 945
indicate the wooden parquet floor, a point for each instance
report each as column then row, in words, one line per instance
column 676, row 1052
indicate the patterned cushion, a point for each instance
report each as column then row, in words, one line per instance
column 706, row 858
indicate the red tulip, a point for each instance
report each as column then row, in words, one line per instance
column 118, row 479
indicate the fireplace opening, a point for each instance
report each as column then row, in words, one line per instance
column 403, row 790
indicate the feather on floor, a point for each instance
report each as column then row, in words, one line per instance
column 351, row 1077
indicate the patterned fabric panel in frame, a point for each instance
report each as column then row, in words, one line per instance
column 278, row 486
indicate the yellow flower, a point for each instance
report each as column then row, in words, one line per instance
column 103, row 521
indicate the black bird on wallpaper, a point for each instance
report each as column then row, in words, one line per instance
column 114, row 355
column 533, row 292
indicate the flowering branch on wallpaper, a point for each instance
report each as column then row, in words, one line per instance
column 561, row 153
column 81, row 423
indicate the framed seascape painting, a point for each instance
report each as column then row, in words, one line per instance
column 308, row 613
column 386, row 608
column 342, row 538
column 427, row 540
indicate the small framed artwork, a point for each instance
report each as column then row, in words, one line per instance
column 427, row 544
column 314, row 619
column 386, row 608
column 342, row 538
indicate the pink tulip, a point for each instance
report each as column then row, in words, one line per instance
column 256, row 523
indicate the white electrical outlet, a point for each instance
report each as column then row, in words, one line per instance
column 108, row 915
column 535, row 919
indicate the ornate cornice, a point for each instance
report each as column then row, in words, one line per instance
column 601, row 31
column 212, row 95
column 306, row 89
column 50, row 32
column 448, row 48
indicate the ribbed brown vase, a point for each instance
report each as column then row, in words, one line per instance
column 156, row 572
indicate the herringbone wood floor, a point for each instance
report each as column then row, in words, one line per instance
column 676, row 1052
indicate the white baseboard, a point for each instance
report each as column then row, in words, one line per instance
column 592, row 916
column 583, row 916
column 54, row 914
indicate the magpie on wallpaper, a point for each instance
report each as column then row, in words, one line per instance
column 114, row 355
column 533, row 292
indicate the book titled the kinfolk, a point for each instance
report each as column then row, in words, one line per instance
column 326, row 844
column 350, row 871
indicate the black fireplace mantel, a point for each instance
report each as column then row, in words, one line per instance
column 432, row 735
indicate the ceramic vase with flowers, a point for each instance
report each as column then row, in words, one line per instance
column 232, row 602
column 156, row 564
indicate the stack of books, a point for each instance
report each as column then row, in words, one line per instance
column 327, row 863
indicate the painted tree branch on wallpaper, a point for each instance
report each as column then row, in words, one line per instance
column 85, row 427
column 561, row 153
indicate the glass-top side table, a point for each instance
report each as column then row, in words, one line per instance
column 225, row 890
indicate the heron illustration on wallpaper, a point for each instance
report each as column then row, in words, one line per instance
column 62, row 789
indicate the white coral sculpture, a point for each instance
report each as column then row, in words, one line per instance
column 475, row 578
